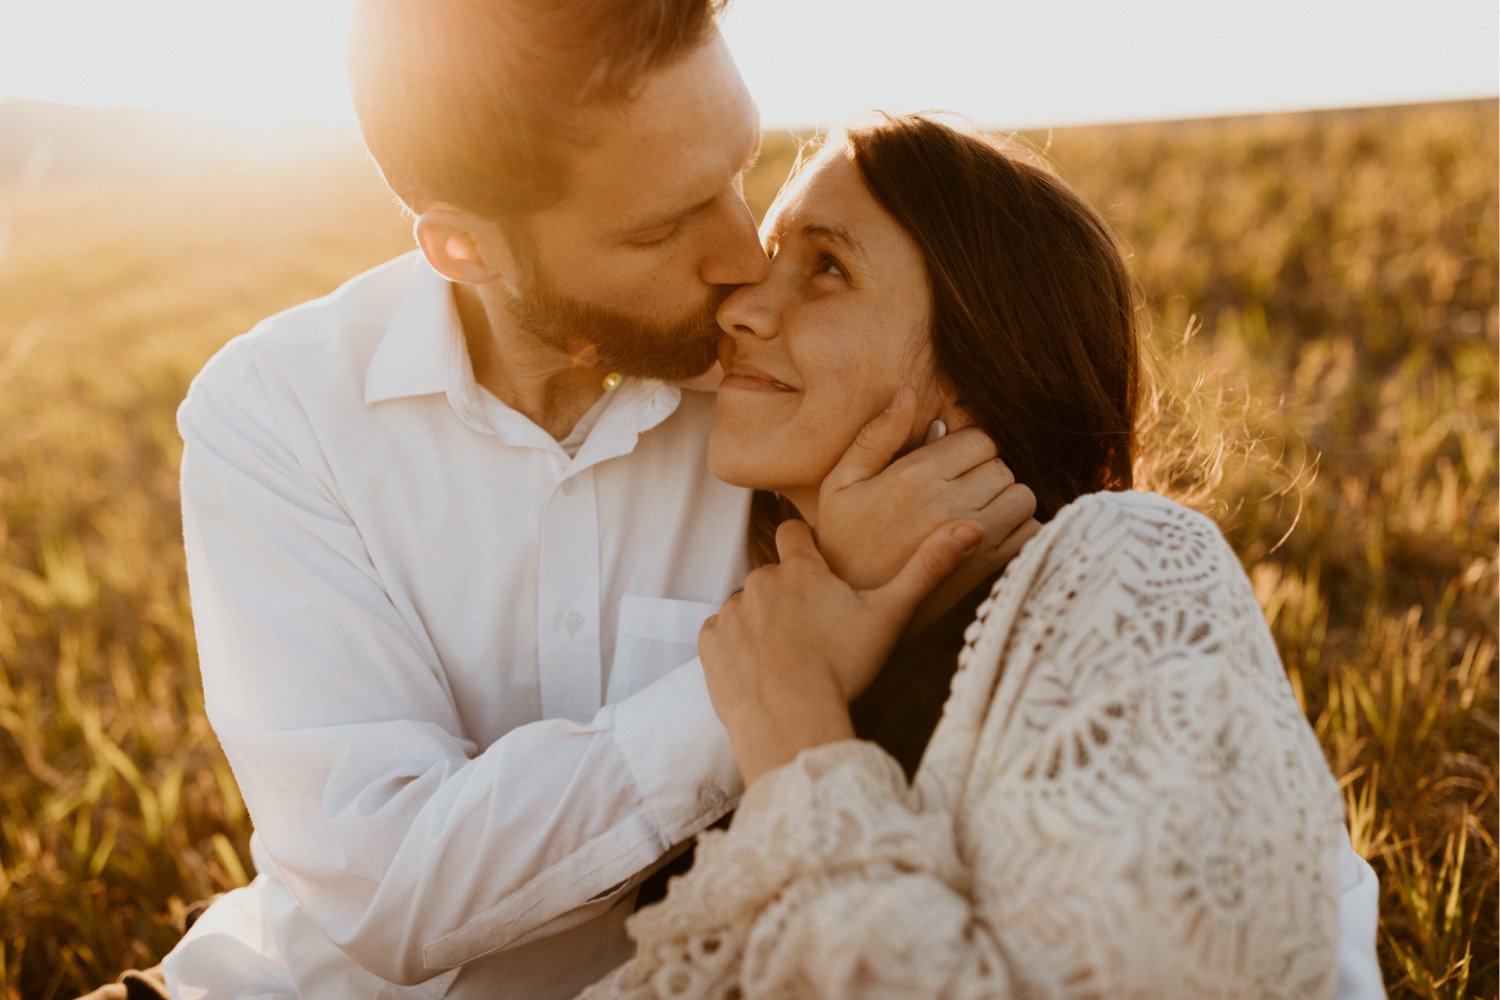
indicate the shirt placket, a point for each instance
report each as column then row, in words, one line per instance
column 568, row 608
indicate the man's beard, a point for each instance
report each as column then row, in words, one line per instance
column 603, row 338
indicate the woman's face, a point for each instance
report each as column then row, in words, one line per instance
column 821, row 346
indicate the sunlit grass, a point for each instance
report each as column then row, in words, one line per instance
column 1342, row 268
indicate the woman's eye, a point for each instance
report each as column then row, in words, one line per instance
column 829, row 265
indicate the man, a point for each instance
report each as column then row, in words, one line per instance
column 448, row 557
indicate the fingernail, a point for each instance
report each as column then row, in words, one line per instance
column 968, row 535
column 895, row 402
column 936, row 431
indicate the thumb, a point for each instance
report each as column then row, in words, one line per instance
column 795, row 543
column 876, row 444
column 940, row 554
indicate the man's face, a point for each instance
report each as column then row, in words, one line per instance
column 627, row 271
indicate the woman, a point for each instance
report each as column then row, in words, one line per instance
column 1121, row 797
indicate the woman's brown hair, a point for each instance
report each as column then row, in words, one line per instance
column 1033, row 311
column 1033, row 324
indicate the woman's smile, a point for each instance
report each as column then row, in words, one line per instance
column 746, row 377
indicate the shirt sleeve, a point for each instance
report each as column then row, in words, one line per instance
column 412, row 848
column 1140, row 811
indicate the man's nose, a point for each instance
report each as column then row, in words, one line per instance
column 735, row 256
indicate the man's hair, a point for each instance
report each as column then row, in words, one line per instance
column 472, row 102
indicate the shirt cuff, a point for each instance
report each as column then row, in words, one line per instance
column 679, row 753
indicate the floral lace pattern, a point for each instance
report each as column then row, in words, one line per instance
column 1122, row 799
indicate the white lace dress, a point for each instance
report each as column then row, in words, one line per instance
column 1122, row 799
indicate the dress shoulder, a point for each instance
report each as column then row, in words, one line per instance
column 1123, row 721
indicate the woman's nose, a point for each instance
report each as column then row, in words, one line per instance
column 750, row 311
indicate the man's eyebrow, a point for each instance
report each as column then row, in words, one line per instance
column 667, row 218
column 664, row 219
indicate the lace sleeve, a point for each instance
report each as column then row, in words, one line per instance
column 1133, row 807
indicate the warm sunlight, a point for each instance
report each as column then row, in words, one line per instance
column 817, row 63
column 261, row 61
column 407, row 535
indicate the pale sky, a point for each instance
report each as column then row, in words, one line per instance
column 811, row 62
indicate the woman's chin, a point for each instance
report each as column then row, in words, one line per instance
column 729, row 467
column 741, row 459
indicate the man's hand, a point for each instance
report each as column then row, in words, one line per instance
column 784, row 657
column 874, row 512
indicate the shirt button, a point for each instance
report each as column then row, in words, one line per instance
column 712, row 797
column 569, row 487
column 574, row 623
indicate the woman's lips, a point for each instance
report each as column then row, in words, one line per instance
column 750, row 378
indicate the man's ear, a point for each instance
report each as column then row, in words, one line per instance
column 463, row 247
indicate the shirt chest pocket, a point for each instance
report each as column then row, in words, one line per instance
column 655, row 636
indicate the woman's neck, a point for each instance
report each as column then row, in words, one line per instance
column 984, row 563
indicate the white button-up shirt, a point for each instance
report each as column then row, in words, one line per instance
column 451, row 666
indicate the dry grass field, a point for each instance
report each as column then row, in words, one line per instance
column 1340, row 270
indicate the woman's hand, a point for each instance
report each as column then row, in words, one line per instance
column 783, row 657
column 873, row 512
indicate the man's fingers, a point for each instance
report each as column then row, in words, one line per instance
column 876, row 444
column 937, row 556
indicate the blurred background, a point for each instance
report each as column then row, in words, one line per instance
column 1308, row 192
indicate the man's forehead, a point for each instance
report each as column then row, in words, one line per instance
column 639, row 187
column 692, row 128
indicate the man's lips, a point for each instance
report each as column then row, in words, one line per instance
column 743, row 376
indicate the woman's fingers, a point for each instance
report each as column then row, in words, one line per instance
column 975, row 491
column 876, row 444
column 951, row 456
column 937, row 556
column 1004, row 503
column 1010, row 546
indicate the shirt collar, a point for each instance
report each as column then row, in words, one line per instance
column 637, row 406
column 423, row 352
column 416, row 353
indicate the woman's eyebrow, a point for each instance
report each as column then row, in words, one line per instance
column 839, row 236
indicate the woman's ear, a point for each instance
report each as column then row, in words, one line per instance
column 937, row 415
column 947, row 406
column 954, row 416
column 463, row 247
column 950, row 409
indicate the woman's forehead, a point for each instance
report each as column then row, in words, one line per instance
column 829, row 201
column 828, row 193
